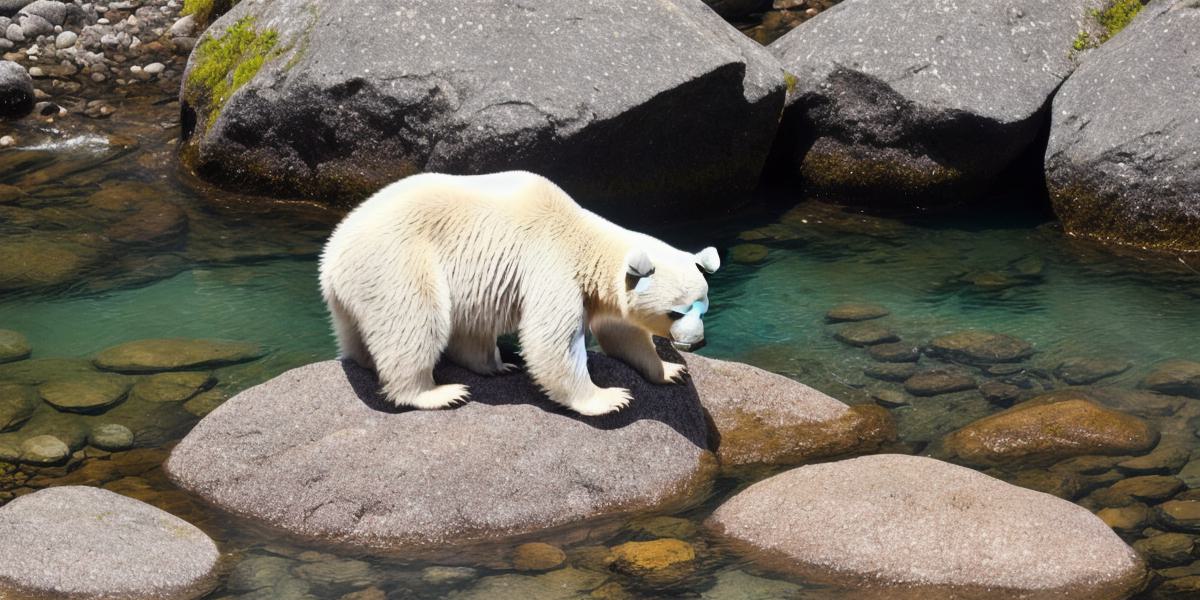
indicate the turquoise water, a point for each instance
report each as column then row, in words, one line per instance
column 245, row 270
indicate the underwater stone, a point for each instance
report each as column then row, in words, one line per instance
column 998, row 392
column 153, row 355
column 87, row 394
column 1050, row 428
column 764, row 418
column 938, row 380
column 17, row 403
column 748, row 254
column 44, row 450
column 318, row 453
column 1180, row 377
column 865, row 334
column 1086, row 371
column 895, row 372
column 564, row 584
column 441, row 575
column 935, row 528
column 1180, row 515
column 537, row 556
column 855, row 311
column 657, row 561
column 739, row 585
column 980, row 347
column 111, row 437
column 13, row 346
column 85, row 542
column 171, row 387
column 896, row 352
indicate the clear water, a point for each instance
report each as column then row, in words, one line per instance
column 246, row 270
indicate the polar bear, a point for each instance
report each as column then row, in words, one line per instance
column 437, row 264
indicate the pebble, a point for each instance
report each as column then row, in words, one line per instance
column 865, row 334
column 6, row 141
column 111, row 436
column 538, row 556
column 44, row 450
column 1126, row 519
column 66, row 39
column 997, row 392
column 154, row 68
column 439, row 575
column 36, row 72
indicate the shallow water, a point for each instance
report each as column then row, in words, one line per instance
column 245, row 270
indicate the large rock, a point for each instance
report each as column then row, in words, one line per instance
column 174, row 354
column 85, row 542
column 317, row 452
column 1050, row 428
column 1123, row 162
column 904, row 103
column 913, row 527
column 974, row 346
column 16, row 90
column 17, row 403
column 1175, row 377
column 600, row 97
column 766, row 419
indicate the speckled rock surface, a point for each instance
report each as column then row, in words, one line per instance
column 764, row 418
column 317, row 453
column 914, row 527
column 598, row 96
column 16, row 90
column 904, row 104
column 83, row 542
column 1123, row 163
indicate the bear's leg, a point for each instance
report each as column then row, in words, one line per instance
column 478, row 353
column 350, row 342
column 406, row 328
column 546, row 327
column 635, row 346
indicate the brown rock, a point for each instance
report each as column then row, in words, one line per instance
column 538, row 556
column 865, row 334
column 1184, row 588
column 1180, row 515
column 980, row 347
column 1167, row 549
column 86, row 394
column 1181, row 377
column 153, row 355
column 1126, row 519
column 939, row 380
column 763, row 418
column 658, row 560
column 1048, row 429
column 855, row 311
column 1144, row 488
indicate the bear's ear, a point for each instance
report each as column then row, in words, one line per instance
column 708, row 260
column 638, row 269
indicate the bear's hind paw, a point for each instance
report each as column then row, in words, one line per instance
column 442, row 396
column 673, row 372
column 603, row 401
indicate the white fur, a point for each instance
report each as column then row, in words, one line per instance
column 442, row 263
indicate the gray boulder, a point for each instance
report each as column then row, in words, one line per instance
column 636, row 108
column 16, row 90
column 10, row 7
column 318, row 453
column 85, row 542
column 903, row 104
column 913, row 527
column 1123, row 162
column 53, row 11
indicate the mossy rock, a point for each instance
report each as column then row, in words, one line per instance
column 172, row 387
column 88, row 394
column 13, row 346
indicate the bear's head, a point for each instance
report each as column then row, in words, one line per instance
column 668, row 291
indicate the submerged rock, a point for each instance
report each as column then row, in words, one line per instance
column 13, row 346
column 739, row 585
column 1123, row 161
column 855, row 311
column 563, row 584
column 764, row 418
column 85, row 542
column 896, row 352
column 748, row 254
column 171, row 387
column 538, row 556
column 980, row 347
column 44, row 450
column 917, row 109
column 903, row 526
column 1050, row 428
column 938, row 380
column 153, row 355
column 111, row 437
column 865, row 334
column 1180, row 377
column 17, row 403
column 36, row 261
column 318, row 453
column 1086, row 371
column 598, row 97
column 657, row 561
column 86, row 394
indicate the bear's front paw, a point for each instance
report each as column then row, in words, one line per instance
column 673, row 372
column 603, row 401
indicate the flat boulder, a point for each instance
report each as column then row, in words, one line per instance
column 905, row 104
column 1050, row 428
column 175, row 354
column 766, row 419
column 973, row 346
column 1123, row 161
column 600, row 97
column 85, row 542
column 318, row 453
column 1180, row 377
column 896, row 526
column 13, row 346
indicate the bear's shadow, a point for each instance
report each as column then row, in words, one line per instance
column 676, row 405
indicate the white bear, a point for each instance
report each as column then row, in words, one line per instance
column 443, row 263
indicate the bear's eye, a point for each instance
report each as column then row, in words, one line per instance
column 675, row 315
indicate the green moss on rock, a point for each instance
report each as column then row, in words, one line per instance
column 205, row 11
column 225, row 63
